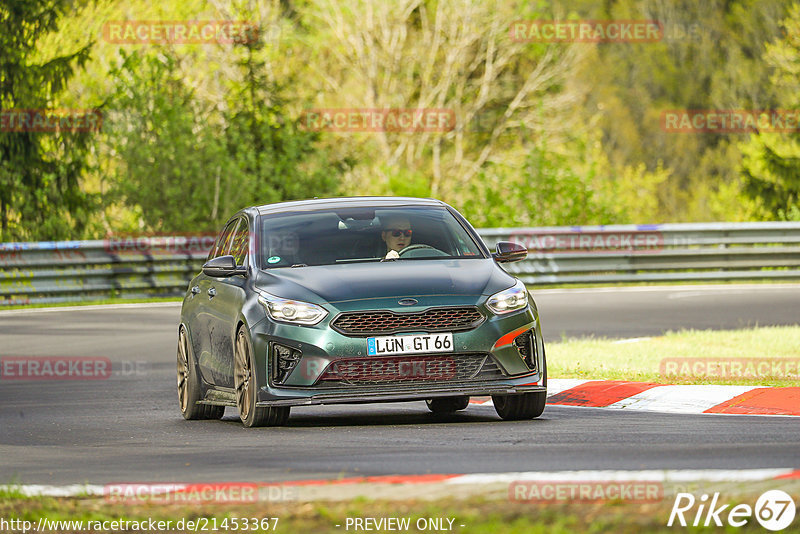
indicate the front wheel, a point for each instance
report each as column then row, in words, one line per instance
column 246, row 388
column 524, row 406
column 520, row 407
column 447, row 404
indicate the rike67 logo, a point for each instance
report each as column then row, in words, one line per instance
column 774, row 510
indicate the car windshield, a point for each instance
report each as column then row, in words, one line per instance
column 338, row 236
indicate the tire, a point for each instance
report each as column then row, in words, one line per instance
column 524, row 406
column 447, row 404
column 190, row 391
column 246, row 388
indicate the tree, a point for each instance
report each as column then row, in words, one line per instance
column 274, row 158
column 40, row 171
column 188, row 161
column 710, row 57
column 771, row 164
column 438, row 54
column 170, row 155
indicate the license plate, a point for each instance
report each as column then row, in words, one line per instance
column 413, row 344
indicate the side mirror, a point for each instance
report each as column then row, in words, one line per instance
column 222, row 266
column 508, row 252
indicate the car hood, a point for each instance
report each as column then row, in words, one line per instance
column 409, row 278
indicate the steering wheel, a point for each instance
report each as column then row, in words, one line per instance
column 421, row 246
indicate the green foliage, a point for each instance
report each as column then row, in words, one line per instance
column 709, row 58
column 188, row 168
column 545, row 133
column 170, row 159
column 550, row 190
column 580, row 187
column 406, row 183
column 41, row 194
column 272, row 158
column 771, row 163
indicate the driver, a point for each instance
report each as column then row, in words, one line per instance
column 396, row 234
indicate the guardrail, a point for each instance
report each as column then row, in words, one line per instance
column 66, row 271
column 655, row 253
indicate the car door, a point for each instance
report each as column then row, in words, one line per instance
column 225, row 298
column 204, row 323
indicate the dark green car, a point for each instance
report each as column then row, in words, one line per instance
column 351, row 300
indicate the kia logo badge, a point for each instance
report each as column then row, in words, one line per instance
column 407, row 302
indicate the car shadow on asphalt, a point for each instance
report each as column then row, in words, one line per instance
column 388, row 417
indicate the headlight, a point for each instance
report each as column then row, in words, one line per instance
column 291, row 311
column 512, row 299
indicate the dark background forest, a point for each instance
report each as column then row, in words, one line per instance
column 562, row 133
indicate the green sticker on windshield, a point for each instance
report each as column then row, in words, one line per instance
column 274, row 259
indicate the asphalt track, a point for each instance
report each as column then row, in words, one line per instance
column 128, row 428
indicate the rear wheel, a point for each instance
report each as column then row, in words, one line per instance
column 447, row 404
column 524, row 406
column 246, row 388
column 190, row 390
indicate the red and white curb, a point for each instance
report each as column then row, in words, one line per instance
column 684, row 399
column 408, row 486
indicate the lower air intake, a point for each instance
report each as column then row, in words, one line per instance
column 411, row 369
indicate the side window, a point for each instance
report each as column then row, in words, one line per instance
column 223, row 241
column 230, row 231
column 241, row 243
column 213, row 252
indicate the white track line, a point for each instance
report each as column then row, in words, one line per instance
column 667, row 288
column 94, row 307
column 665, row 475
column 477, row 479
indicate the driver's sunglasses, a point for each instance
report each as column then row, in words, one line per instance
column 396, row 232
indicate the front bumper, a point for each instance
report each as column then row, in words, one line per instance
column 388, row 394
column 321, row 346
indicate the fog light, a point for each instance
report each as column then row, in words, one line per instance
column 284, row 360
column 526, row 347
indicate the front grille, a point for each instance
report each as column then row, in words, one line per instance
column 411, row 369
column 451, row 319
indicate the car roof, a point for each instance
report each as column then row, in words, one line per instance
column 346, row 202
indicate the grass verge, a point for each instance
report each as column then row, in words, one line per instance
column 478, row 515
column 766, row 356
